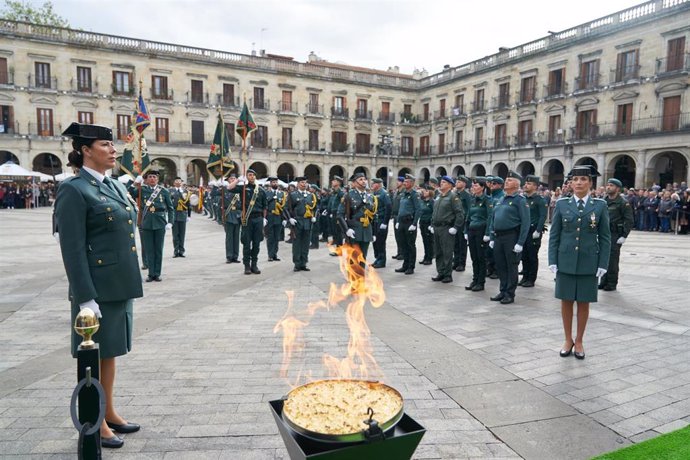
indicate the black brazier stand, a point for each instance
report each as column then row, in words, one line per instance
column 398, row 445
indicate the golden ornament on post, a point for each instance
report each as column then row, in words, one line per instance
column 86, row 325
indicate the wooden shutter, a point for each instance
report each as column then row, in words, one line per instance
column 4, row 77
column 674, row 58
column 671, row 113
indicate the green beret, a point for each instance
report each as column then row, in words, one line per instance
column 615, row 182
column 377, row 180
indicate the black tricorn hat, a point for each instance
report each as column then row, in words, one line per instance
column 300, row 178
column 270, row 178
column 357, row 175
column 584, row 170
column 150, row 172
column 88, row 131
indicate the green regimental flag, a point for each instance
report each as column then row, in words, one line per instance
column 245, row 124
column 220, row 152
column 135, row 162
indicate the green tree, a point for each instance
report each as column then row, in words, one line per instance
column 22, row 10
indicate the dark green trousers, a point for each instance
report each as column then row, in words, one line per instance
column 252, row 235
column 506, row 261
column 300, row 247
column 477, row 248
column 444, row 244
column 272, row 238
column 232, row 241
column 153, row 241
column 610, row 279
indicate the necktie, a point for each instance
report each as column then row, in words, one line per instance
column 580, row 205
column 108, row 183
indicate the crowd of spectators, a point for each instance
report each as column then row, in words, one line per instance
column 657, row 209
column 17, row 195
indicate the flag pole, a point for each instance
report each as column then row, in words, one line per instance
column 222, row 160
column 243, row 155
column 137, row 166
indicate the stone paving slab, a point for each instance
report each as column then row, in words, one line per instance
column 205, row 360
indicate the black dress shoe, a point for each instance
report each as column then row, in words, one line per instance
column 157, row 278
column 377, row 265
column 182, row 255
column 255, row 270
column 497, row 297
column 275, row 259
column 436, row 278
column 247, row 270
column 478, row 287
column 144, row 267
column 566, row 353
column 296, row 269
column 459, row 269
column 305, row 269
column 506, row 300
column 235, row 261
column 469, row 288
column 579, row 355
column 112, row 443
column 447, row 279
column 176, row 256
column 401, row 270
column 521, row 282
column 409, row 271
column 528, row 284
column 125, row 428
column 228, row 261
column 149, row 279
column 493, row 276
column 609, row 288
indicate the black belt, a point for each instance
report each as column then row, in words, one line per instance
column 254, row 215
column 444, row 224
column 507, row 232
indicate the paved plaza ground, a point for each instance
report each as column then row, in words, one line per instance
column 485, row 379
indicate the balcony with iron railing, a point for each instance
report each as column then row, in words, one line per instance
column 83, row 87
column 409, row 118
column 588, row 82
column 122, row 91
column 8, row 78
column 525, row 139
column 228, row 101
column 625, row 74
column 161, row 94
column 526, row 97
column 260, row 105
column 340, row 147
column 555, row 90
column 46, row 83
column 287, row 107
column 458, row 111
column 10, row 128
column 501, row 142
column 386, row 118
column 554, row 137
column 364, row 149
column 440, row 115
column 197, row 98
column 47, row 130
column 500, row 102
column 314, row 110
column 478, row 105
column 674, row 123
column 673, row 64
column 363, row 115
column 340, row 112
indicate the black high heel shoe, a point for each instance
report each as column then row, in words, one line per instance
column 566, row 353
column 579, row 355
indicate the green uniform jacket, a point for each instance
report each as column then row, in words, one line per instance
column 180, row 201
column 426, row 209
column 511, row 212
column 481, row 211
column 537, row 211
column 246, row 193
column 621, row 217
column 357, row 211
column 334, row 200
column 579, row 243
column 384, row 208
column 410, row 207
column 301, row 206
column 448, row 211
column 97, row 227
column 163, row 211
column 276, row 200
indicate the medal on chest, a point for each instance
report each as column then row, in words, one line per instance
column 593, row 219
column 152, row 209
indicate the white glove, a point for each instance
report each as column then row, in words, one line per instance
column 242, row 179
column 293, row 221
column 467, row 237
column 93, row 306
column 350, row 233
column 491, row 244
column 240, row 182
column 313, row 219
column 325, row 213
column 189, row 218
column 168, row 226
column 56, row 235
column 138, row 180
column 383, row 227
column 265, row 222
column 620, row 240
column 536, row 235
column 601, row 272
column 411, row 228
column 374, row 238
column 284, row 223
column 453, row 231
column 553, row 268
column 517, row 249
column 431, row 229
column 225, row 183
column 486, row 239
column 397, row 225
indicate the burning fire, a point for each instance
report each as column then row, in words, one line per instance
column 362, row 285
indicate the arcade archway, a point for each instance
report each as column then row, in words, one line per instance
column 458, row 171
column 624, row 169
column 196, row 170
column 286, row 172
column 668, row 168
column 260, row 169
column 553, row 173
column 167, row 169
column 336, row 171
column 478, row 171
column 6, row 156
column 500, row 170
column 313, row 174
column 526, row 168
column 47, row 163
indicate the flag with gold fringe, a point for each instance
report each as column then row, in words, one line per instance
column 219, row 157
column 135, row 158
column 245, row 124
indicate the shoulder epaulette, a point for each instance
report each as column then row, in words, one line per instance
column 564, row 198
column 599, row 199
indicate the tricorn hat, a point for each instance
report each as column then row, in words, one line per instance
column 88, row 131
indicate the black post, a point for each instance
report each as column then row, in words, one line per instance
column 89, row 402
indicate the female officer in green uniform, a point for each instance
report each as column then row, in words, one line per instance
column 96, row 220
column 579, row 249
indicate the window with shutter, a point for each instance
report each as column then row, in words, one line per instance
column 42, row 75
column 314, row 139
column 85, row 117
column 197, row 91
column 671, row 116
column 675, row 54
column 198, row 132
column 229, row 95
column 4, row 75
column 441, row 143
column 624, row 119
column 162, row 130
column 45, row 122
column 123, row 124
column 84, row 79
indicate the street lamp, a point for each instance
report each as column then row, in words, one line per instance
column 386, row 146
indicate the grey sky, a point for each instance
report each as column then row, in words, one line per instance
column 378, row 34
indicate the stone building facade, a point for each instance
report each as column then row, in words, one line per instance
column 612, row 92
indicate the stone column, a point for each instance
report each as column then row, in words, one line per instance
column 641, row 173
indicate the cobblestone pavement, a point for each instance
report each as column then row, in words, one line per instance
column 484, row 379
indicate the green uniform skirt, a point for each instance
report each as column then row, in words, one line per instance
column 114, row 336
column 580, row 288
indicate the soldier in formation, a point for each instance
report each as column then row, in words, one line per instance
column 300, row 214
column 276, row 199
column 477, row 232
column 538, row 210
column 406, row 225
column 383, row 216
column 183, row 214
column 621, row 222
column 447, row 221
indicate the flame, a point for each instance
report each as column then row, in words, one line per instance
column 362, row 285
